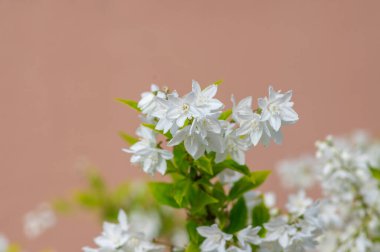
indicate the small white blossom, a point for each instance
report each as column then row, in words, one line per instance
column 249, row 235
column 277, row 108
column 182, row 108
column 242, row 111
column 234, row 146
column 253, row 128
column 149, row 101
column 204, row 99
column 215, row 238
column 146, row 153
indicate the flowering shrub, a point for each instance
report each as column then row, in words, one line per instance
column 348, row 172
column 203, row 151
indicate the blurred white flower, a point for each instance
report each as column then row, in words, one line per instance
column 300, row 173
column 215, row 238
column 120, row 238
column 249, row 235
column 39, row 220
column 228, row 176
column 3, row 244
column 146, row 222
column 298, row 203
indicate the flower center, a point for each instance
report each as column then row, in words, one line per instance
column 185, row 107
column 274, row 109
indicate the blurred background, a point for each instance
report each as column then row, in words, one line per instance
column 63, row 63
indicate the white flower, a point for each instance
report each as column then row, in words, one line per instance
column 298, row 203
column 195, row 145
column 243, row 110
column 146, row 222
column 3, row 244
column 114, row 236
column 234, row 146
column 204, row 99
column 146, row 153
column 215, row 238
column 181, row 109
column 149, row 101
column 253, row 128
column 39, row 220
column 277, row 108
column 249, row 235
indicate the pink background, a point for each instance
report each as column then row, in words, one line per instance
column 62, row 63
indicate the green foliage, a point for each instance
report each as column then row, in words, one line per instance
column 233, row 165
column 127, row 138
column 132, row 104
column 218, row 82
column 225, row 114
column 164, row 193
column 192, row 248
column 199, row 199
column 375, row 172
column 204, row 164
column 248, row 183
column 238, row 216
column 191, row 228
column 260, row 215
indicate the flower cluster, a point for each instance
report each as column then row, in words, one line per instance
column 198, row 121
column 210, row 180
column 297, row 230
column 121, row 238
column 348, row 171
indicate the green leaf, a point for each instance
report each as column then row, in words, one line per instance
column 204, row 164
column 191, row 228
column 128, row 138
column 170, row 168
column 153, row 127
column 238, row 216
column 375, row 172
column 233, row 165
column 192, row 248
column 225, row 114
column 218, row 82
column 199, row 199
column 163, row 193
column 248, row 183
column 87, row 199
column 180, row 158
column 181, row 189
column 130, row 103
column 260, row 216
column 95, row 181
